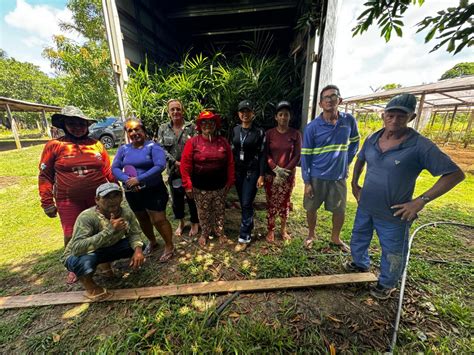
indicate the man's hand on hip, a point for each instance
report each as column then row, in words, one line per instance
column 408, row 211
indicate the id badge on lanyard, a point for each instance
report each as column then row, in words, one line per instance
column 242, row 140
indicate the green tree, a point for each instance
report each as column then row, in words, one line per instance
column 453, row 27
column 460, row 69
column 25, row 81
column 85, row 68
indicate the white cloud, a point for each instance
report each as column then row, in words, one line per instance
column 40, row 20
column 28, row 29
column 368, row 61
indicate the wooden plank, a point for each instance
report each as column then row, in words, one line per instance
column 200, row 288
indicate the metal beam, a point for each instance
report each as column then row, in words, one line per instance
column 243, row 30
column 226, row 10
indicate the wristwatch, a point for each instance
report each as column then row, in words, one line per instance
column 425, row 198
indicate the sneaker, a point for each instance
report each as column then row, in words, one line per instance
column 245, row 239
column 351, row 267
column 381, row 293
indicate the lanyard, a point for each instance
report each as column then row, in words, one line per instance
column 242, row 139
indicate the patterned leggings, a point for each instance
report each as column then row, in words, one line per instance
column 278, row 199
column 211, row 211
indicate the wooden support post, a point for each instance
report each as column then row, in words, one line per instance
column 449, row 134
column 445, row 118
column 467, row 136
column 345, row 108
column 14, row 127
column 201, row 288
column 433, row 118
column 419, row 112
column 46, row 124
column 39, row 126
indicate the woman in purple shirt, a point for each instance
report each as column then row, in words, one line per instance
column 138, row 165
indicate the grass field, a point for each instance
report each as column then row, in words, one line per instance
column 437, row 314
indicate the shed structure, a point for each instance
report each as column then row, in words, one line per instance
column 13, row 105
column 448, row 97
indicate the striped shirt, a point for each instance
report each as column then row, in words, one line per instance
column 328, row 149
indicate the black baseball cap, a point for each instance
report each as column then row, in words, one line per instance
column 283, row 104
column 245, row 104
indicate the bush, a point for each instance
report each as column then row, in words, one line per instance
column 202, row 82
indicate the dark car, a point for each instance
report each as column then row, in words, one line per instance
column 109, row 131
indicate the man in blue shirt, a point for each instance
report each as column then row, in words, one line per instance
column 395, row 157
column 330, row 143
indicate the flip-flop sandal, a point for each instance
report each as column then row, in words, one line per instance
column 149, row 249
column 71, row 278
column 166, row 256
column 100, row 296
column 308, row 243
column 341, row 246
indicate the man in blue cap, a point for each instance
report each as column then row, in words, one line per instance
column 395, row 157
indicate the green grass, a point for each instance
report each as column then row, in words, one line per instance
column 275, row 322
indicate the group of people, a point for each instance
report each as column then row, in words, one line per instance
column 78, row 182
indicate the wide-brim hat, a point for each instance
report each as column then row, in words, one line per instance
column 58, row 119
column 208, row 115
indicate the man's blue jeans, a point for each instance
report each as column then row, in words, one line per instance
column 246, row 185
column 393, row 240
column 86, row 264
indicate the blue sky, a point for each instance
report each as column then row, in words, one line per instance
column 27, row 26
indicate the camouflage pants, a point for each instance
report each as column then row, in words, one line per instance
column 211, row 211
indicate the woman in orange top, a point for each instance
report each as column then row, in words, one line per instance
column 71, row 169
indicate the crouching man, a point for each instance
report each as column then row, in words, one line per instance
column 395, row 157
column 102, row 234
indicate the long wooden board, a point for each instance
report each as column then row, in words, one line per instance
column 186, row 289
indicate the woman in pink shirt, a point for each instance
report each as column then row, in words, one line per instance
column 283, row 150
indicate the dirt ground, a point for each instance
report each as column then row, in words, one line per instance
column 464, row 157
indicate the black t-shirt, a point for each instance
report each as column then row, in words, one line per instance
column 248, row 147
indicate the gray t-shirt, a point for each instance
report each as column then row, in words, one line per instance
column 391, row 176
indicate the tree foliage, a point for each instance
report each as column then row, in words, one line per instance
column 85, row 68
column 453, row 27
column 459, row 70
column 25, row 81
column 213, row 82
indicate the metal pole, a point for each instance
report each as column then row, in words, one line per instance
column 117, row 56
column 404, row 277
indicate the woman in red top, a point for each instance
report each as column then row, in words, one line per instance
column 71, row 169
column 207, row 172
column 283, row 149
